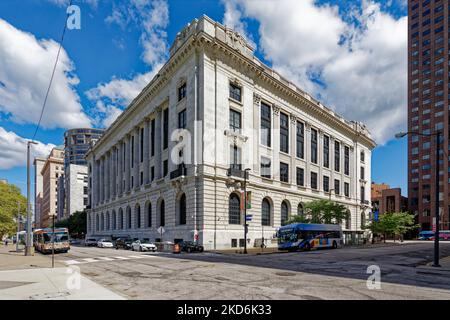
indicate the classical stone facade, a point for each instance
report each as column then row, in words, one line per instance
column 177, row 155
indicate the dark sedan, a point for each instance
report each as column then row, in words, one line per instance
column 190, row 246
column 123, row 243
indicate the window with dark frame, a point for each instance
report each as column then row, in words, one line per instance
column 284, row 132
column 266, row 126
column 337, row 186
column 182, row 119
column 284, row 172
column 165, row 128
column 132, row 151
column 165, row 167
column 313, row 145
column 326, row 151
column 235, row 121
column 141, row 144
column 182, row 92
column 346, row 189
column 234, row 209
column 362, row 156
column 152, row 137
column 346, row 160
column 362, row 175
column 300, row 140
column 300, row 176
column 235, row 157
column 337, row 156
column 326, row 183
column 266, row 168
column 235, row 92
column 314, row 180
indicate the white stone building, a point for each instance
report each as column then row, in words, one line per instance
column 225, row 98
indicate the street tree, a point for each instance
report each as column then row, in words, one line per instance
column 11, row 201
column 322, row 211
column 395, row 223
column 76, row 223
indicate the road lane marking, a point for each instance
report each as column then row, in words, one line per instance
column 70, row 262
column 105, row 258
column 122, row 258
column 90, row 259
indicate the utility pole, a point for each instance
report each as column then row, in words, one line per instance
column 53, row 242
column 245, row 209
column 436, row 208
column 29, row 246
column 18, row 226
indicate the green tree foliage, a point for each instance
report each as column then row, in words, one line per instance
column 10, row 199
column 322, row 211
column 76, row 223
column 396, row 224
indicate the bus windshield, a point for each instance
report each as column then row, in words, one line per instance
column 287, row 235
column 59, row 237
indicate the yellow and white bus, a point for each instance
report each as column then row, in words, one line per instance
column 43, row 240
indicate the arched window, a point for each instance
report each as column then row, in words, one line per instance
column 348, row 221
column 363, row 219
column 149, row 214
column 300, row 209
column 137, row 211
column 284, row 212
column 107, row 221
column 102, row 222
column 120, row 219
column 114, row 220
column 128, row 217
column 182, row 209
column 162, row 214
column 234, row 209
column 265, row 212
column 97, row 223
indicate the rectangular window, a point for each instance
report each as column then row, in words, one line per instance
column 123, row 155
column 266, row 125
column 326, row 151
column 142, row 178
column 363, row 194
column 235, row 121
column 165, row 128
column 182, row 119
column 346, row 189
column 314, row 180
column 300, row 176
column 326, row 183
column 346, row 160
column 182, row 92
column 284, row 132
column 284, row 172
column 265, row 167
column 337, row 156
column 152, row 138
column 300, row 140
column 152, row 173
column 141, row 144
column 362, row 173
column 132, row 151
column 235, row 157
column 235, row 92
column 337, row 186
column 165, row 167
column 313, row 145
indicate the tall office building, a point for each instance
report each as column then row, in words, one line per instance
column 38, row 189
column 77, row 142
column 428, row 94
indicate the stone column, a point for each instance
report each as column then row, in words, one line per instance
column 293, row 148
column 256, row 132
column 101, row 182
column 113, row 172
column 136, row 157
column 120, row 168
column 307, row 145
column 127, row 163
column 146, row 151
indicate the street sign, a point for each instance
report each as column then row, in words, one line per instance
column 161, row 230
column 249, row 217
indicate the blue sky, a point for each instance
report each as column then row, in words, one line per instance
column 114, row 47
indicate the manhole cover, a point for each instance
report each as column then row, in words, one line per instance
column 285, row 274
column 49, row 295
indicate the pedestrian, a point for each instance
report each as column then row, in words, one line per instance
column 6, row 242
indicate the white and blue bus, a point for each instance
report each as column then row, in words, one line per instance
column 307, row 236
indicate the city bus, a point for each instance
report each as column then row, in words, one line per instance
column 429, row 235
column 43, row 240
column 307, row 236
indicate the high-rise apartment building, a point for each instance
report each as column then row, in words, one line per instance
column 77, row 142
column 428, row 96
column 38, row 188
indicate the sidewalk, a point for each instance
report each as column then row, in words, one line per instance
column 32, row 278
column 444, row 262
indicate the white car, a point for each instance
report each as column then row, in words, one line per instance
column 143, row 245
column 104, row 243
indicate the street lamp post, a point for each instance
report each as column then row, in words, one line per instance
column 437, row 133
column 245, row 209
column 29, row 246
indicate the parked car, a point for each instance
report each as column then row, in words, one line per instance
column 123, row 243
column 75, row 241
column 104, row 243
column 143, row 245
column 90, row 242
column 190, row 246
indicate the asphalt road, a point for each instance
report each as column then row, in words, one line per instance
column 324, row 274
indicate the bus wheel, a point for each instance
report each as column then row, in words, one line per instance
column 334, row 245
column 307, row 247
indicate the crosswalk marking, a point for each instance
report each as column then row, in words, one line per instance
column 122, row 258
column 89, row 259
column 70, row 262
column 105, row 258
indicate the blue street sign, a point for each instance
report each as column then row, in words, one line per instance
column 249, row 217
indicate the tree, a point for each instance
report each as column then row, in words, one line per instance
column 10, row 200
column 76, row 223
column 396, row 224
column 322, row 211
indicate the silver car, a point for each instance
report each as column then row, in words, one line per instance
column 143, row 245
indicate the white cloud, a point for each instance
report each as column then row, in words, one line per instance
column 152, row 17
column 363, row 66
column 14, row 150
column 26, row 66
